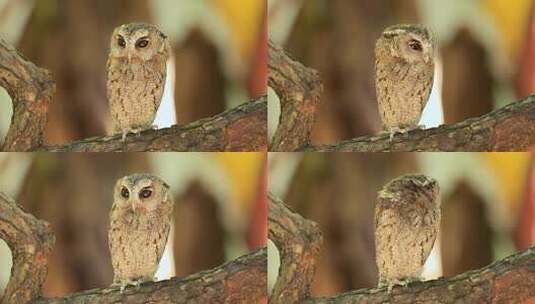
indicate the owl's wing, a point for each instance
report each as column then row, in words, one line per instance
column 429, row 87
column 387, row 221
column 427, row 236
column 113, row 229
column 166, row 214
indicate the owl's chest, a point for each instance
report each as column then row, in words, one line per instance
column 136, row 73
column 140, row 233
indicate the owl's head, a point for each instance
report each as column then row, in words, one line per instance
column 143, row 193
column 410, row 42
column 138, row 41
column 412, row 186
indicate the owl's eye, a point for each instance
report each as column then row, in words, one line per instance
column 121, row 42
column 415, row 45
column 125, row 193
column 145, row 193
column 141, row 43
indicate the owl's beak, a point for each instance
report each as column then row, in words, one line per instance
column 129, row 57
column 138, row 207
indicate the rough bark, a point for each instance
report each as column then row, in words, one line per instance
column 299, row 89
column 511, row 280
column 31, row 242
column 243, row 128
column 242, row 280
column 299, row 242
column 30, row 89
column 511, row 128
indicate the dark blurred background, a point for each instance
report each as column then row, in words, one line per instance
column 220, row 210
column 488, row 209
column 486, row 56
column 218, row 62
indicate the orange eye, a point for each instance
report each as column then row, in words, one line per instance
column 141, row 43
column 145, row 193
column 125, row 193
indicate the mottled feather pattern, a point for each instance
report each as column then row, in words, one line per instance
column 407, row 219
column 136, row 75
column 138, row 235
column 403, row 77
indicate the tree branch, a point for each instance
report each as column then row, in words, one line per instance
column 31, row 242
column 299, row 89
column 511, row 128
column 242, row 280
column 299, row 241
column 31, row 88
column 511, row 280
column 243, row 128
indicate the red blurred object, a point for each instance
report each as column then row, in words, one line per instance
column 525, row 84
column 257, row 78
column 524, row 234
column 257, row 231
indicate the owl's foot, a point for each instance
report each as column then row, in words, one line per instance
column 402, row 130
column 131, row 282
column 393, row 131
column 403, row 282
column 135, row 131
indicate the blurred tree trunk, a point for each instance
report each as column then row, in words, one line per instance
column 338, row 191
column 199, row 234
column 199, row 83
column 71, row 39
column 73, row 192
column 337, row 37
column 467, row 80
column 466, row 236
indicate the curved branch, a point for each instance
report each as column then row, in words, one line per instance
column 31, row 242
column 511, row 128
column 299, row 241
column 243, row 128
column 511, row 280
column 30, row 89
column 299, row 89
column 242, row 280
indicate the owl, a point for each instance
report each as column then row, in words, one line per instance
column 404, row 68
column 136, row 72
column 140, row 218
column 407, row 220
